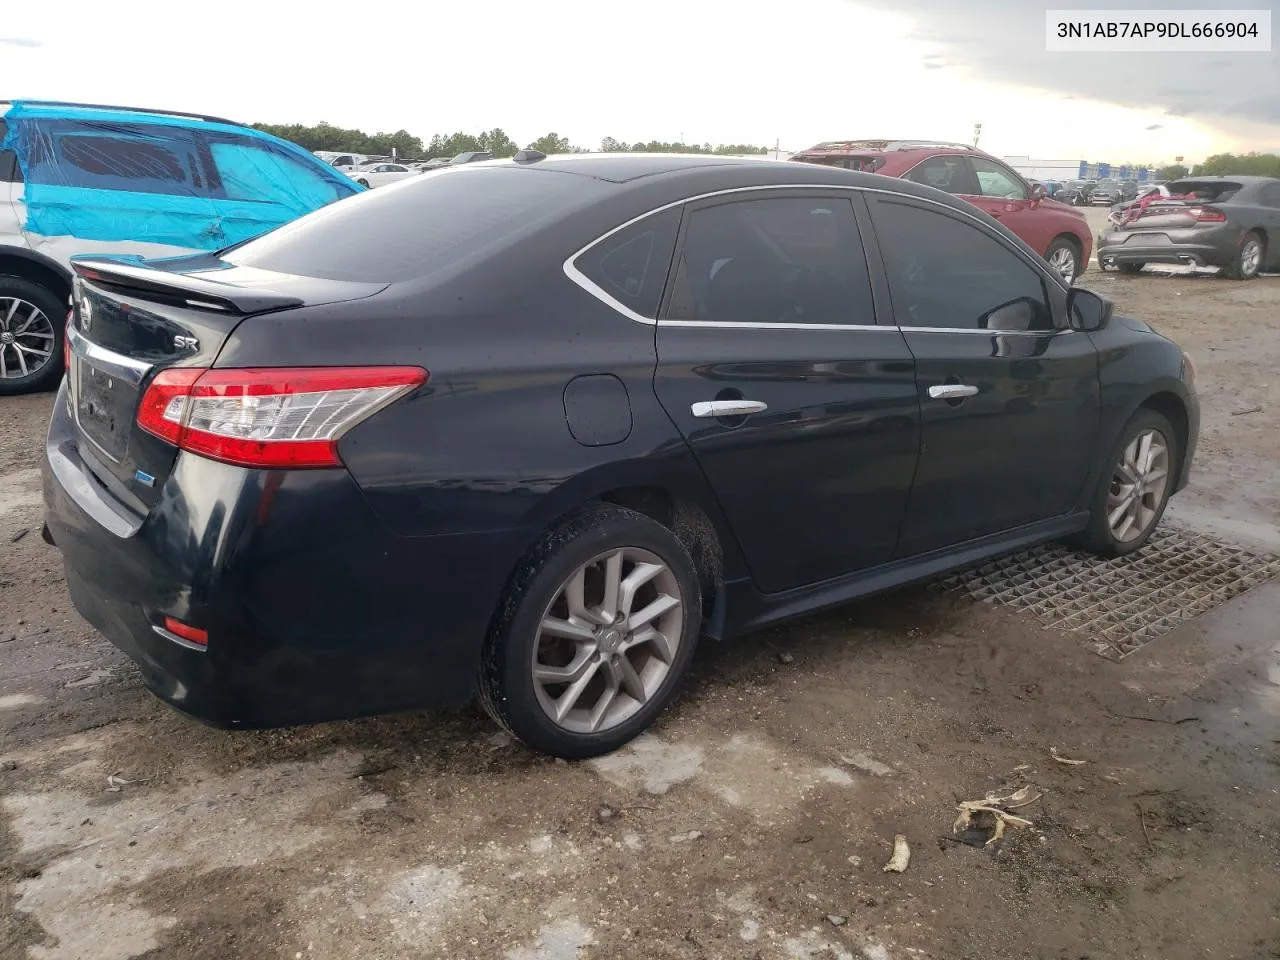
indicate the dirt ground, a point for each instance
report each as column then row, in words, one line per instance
column 753, row 822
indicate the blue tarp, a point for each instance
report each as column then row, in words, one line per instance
column 115, row 175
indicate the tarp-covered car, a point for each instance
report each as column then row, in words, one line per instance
column 1227, row 222
column 79, row 179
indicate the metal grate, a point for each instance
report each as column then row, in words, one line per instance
column 1123, row 603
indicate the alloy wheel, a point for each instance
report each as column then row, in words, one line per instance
column 607, row 641
column 1250, row 257
column 27, row 339
column 1064, row 261
column 1139, row 485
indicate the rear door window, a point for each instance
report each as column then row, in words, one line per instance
column 136, row 158
column 792, row 260
column 389, row 236
column 949, row 172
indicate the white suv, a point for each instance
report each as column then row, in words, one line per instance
column 85, row 179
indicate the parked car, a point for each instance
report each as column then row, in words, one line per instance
column 1128, row 189
column 346, row 161
column 1106, row 192
column 77, row 179
column 1058, row 234
column 380, row 174
column 349, row 467
column 1227, row 222
column 470, row 156
column 1075, row 192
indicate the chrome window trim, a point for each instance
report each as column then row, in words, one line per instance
column 578, row 277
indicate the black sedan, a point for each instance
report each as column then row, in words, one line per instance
column 1075, row 192
column 1226, row 222
column 532, row 428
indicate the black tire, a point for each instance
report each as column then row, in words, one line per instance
column 1057, row 248
column 506, row 683
column 1131, row 268
column 1098, row 537
column 363, row 182
column 1245, row 267
column 54, row 308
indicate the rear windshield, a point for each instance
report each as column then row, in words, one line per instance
column 1212, row 191
column 416, row 226
column 866, row 164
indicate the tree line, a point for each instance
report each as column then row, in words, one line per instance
column 1226, row 165
column 324, row 136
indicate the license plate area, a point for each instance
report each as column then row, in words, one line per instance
column 103, row 395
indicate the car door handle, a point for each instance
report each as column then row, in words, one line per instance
column 952, row 391
column 727, row 408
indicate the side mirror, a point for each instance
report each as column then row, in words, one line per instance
column 1087, row 311
column 1037, row 192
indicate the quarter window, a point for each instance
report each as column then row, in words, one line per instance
column 1270, row 193
column 997, row 181
column 631, row 265
column 785, row 260
column 946, row 273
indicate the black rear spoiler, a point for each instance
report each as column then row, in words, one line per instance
column 127, row 275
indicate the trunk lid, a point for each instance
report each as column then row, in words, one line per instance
column 130, row 319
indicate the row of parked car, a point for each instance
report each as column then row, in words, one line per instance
column 1231, row 223
column 83, row 179
column 370, row 171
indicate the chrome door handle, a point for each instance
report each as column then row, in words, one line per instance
column 727, row 408
column 952, row 391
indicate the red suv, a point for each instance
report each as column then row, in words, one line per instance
column 1057, row 232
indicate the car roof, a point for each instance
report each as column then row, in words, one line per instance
column 71, row 107
column 663, row 178
column 625, row 167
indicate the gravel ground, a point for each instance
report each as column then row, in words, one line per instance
column 753, row 822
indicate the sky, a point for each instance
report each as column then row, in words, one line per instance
column 719, row 71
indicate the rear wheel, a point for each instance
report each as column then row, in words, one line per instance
column 31, row 334
column 594, row 635
column 1134, row 491
column 1248, row 261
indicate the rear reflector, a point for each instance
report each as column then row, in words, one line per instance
column 186, row 631
column 270, row 417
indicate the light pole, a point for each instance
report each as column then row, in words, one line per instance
column 977, row 132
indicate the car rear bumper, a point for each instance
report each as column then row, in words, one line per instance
column 1210, row 247
column 314, row 611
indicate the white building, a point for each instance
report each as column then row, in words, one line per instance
column 1037, row 169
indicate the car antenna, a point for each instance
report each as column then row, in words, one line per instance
column 529, row 156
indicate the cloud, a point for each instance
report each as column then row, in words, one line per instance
column 1003, row 41
column 21, row 42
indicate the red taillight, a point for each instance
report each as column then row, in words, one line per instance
column 1207, row 215
column 186, row 631
column 271, row 417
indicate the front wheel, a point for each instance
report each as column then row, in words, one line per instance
column 594, row 635
column 1064, row 258
column 363, row 182
column 1133, row 493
